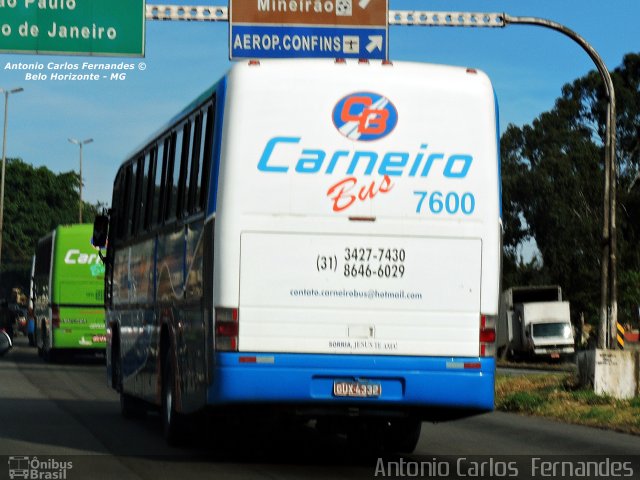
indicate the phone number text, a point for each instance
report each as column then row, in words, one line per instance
column 365, row 262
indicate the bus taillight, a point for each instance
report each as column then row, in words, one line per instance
column 226, row 329
column 487, row 335
column 55, row 316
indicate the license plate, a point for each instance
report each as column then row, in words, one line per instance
column 356, row 389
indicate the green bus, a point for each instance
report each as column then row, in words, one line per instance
column 68, row 286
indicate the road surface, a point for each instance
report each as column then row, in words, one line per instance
column 66, row 413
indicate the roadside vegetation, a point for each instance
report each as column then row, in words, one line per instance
column 36, row 201
column 552, row 172
column 558, row 396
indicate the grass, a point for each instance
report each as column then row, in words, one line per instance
column 559, row 396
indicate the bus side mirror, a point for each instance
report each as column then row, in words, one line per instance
column 100, row 231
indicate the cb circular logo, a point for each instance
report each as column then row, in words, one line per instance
column 365, row 116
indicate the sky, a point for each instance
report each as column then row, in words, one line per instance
column 527, row 65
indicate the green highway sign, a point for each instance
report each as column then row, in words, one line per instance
column 77, row 27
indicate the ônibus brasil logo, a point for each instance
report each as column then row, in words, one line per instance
column 365, row 116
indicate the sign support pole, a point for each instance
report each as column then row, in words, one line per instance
column 608, row 267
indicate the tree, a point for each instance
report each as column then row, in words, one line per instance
column 553, row 183
column 36, row 201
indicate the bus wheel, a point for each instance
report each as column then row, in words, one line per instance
column 51, row 355
column 130, row 407
column 402, row 435
column 376, row 436
column 365, row 437
column 116, row 367
column 172, row 421
column 48, row 354
column 40, row 344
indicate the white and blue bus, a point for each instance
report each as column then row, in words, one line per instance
column 312, row 237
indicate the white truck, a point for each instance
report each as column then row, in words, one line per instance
column 535, row 322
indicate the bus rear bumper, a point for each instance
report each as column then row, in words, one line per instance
column 259, row 378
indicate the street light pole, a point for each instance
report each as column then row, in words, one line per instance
column 4, row 158
column 608, row 263
column 80, row 144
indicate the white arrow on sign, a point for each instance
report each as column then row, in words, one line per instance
column 364, row 4
column 375, row 42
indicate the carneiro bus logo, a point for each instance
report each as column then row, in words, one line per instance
column 365, row 116
column 367, row 172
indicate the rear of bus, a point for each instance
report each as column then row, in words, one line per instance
column 77, row 286
column 357, row 239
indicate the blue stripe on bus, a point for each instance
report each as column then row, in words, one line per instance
column 309, row 378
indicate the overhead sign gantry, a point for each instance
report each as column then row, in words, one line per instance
column 315, row 29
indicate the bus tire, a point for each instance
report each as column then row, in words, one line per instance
column 41, row 340
column 402, row 435
column 130, row 407
column 365, row 437
column 51, row 355
column 48, row 354
column 116, row 366
column 368, row 437
column 172, row 421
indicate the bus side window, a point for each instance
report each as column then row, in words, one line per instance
column 168, row 177
column 206, row 152
column 137, row 206
column 115, row 214
column 183, row 181
column 43, row 258
column 123, row 209
column 130, row 206
column 160, row 181
column 152, row 159
column 194, row 174
column 144, row 187
column 173, row 174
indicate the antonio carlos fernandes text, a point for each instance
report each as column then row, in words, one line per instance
column 538, row 468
